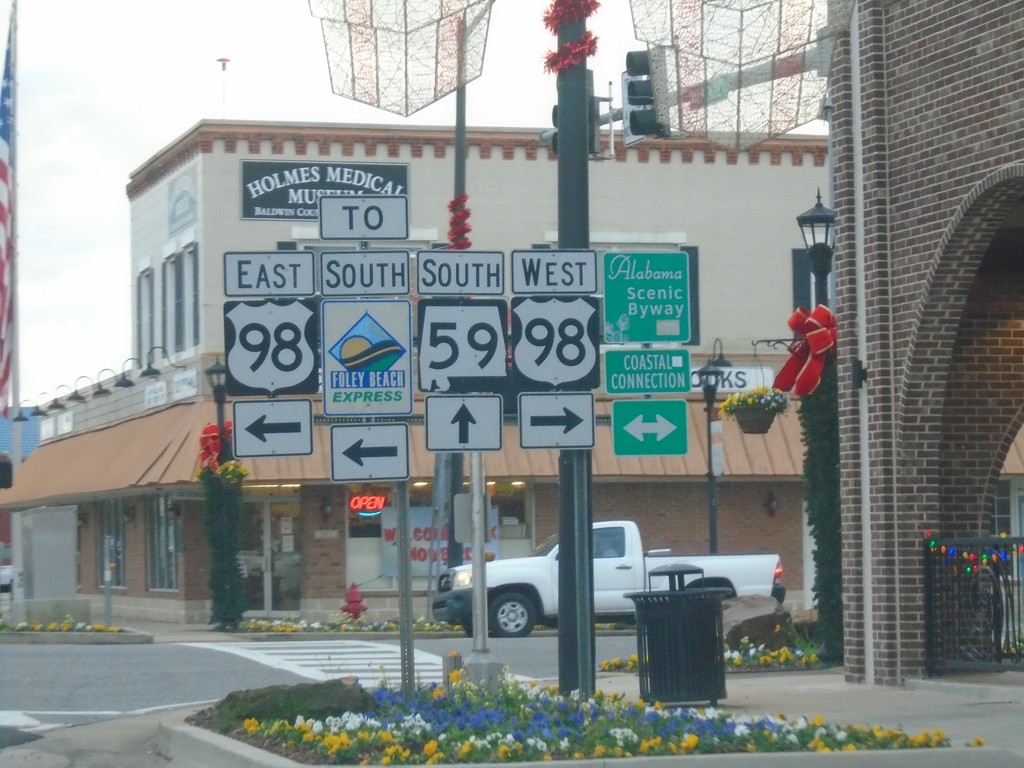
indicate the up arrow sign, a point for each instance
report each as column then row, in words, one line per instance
column 464, row 423
column 661, row 428
column 273, row 427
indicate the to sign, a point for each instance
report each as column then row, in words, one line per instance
column 364, row 217
column 367, row 356
column 369, row 452
column 276, row 273
column 271, row 347
column 555, row 343
column 364, row 273
column 646, row 371
column 460, row 273
column 556, row 420
column 273, row 427
column 544, row 271
column 462, row 345
column 646, row 297
column 649, row 427
column 464, row 423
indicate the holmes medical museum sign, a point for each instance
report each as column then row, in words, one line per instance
column 281, row 189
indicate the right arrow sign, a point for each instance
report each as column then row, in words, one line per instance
column 649, row 427
column 556, row 420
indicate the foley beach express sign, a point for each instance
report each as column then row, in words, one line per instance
column 284, row 189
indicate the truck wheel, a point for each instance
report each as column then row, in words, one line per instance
column 512, row 615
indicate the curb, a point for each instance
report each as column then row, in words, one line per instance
column 125, row 637
column 192, row 747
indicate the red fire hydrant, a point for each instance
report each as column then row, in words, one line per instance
column 354, row 605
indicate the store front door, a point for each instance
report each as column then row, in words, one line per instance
column 270, row 557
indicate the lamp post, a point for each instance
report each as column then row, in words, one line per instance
column 710, row 378
column 819, row 419
column 215, row 374
column 818, row 226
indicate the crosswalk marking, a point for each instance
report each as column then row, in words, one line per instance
column 371, row 663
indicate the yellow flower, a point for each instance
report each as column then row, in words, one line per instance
column 430, row 747
column 251, row 724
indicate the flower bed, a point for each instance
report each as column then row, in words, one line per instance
column 518, row 723
column 66, row 625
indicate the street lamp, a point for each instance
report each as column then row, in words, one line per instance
column 818, row 226
column 216, row 374
column 710, row 378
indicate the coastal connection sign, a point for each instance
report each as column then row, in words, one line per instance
column 646, row 297
column 647, row 371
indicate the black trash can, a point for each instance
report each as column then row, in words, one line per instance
column 679, row 640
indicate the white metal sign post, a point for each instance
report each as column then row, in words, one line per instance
column 460, row 273
column 273, row 427
column 276, row 273
column 364, row 273
column 462, row 345
column 471, row 423
column 367, row 357
column 556, row 420
column 369, row 452
column 364, row 217
column 555, row 343
column 271, row 347
column 544, row 271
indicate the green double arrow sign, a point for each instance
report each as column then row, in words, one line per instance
column 649, row 427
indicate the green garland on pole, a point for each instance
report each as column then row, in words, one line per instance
column 819, row 418
column 222, row 515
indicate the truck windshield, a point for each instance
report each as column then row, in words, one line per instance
column 546, row 546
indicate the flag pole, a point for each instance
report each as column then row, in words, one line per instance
column 11, row 392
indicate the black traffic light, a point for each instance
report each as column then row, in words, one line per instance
column 638, row 115
column 593, row 120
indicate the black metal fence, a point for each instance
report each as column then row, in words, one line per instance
column 973, row 608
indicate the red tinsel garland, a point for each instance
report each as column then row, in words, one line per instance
column 458, row 224
column 575, row 52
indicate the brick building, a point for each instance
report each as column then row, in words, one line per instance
column 928, row 134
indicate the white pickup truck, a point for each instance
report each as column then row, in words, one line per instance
column 524, row 590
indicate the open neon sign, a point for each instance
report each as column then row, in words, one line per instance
column 367, row 504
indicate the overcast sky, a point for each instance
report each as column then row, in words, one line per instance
column 103, row 86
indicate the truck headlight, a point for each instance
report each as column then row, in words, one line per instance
column 462, row 579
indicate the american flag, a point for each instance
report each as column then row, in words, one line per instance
column 7, row 330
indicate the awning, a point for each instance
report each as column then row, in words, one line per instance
column 161, row 449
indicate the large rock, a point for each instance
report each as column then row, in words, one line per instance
column 762, row 620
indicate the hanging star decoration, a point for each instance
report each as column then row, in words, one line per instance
column 574, row 52
column 458, row 223
column 802, row 372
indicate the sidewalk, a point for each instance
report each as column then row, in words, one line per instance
column 989, row 707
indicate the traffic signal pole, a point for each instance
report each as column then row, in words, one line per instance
column 575, row 566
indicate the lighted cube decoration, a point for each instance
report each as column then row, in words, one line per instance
column 402, row 55
column 735, row 72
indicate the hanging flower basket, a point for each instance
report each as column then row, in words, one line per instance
column 755, row 409
column 754, row 419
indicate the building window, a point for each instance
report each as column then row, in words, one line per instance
column 110, row 544
column 145, row 318
column 179, row 293
column 192, row 272
column 1001, row 509
column 163, row 543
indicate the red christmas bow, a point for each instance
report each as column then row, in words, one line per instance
column 807, row 355
column 210, row 445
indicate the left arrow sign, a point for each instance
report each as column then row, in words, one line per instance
column 273, row 427
column 357, row 451
column 369, row 452
column 261, row 428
